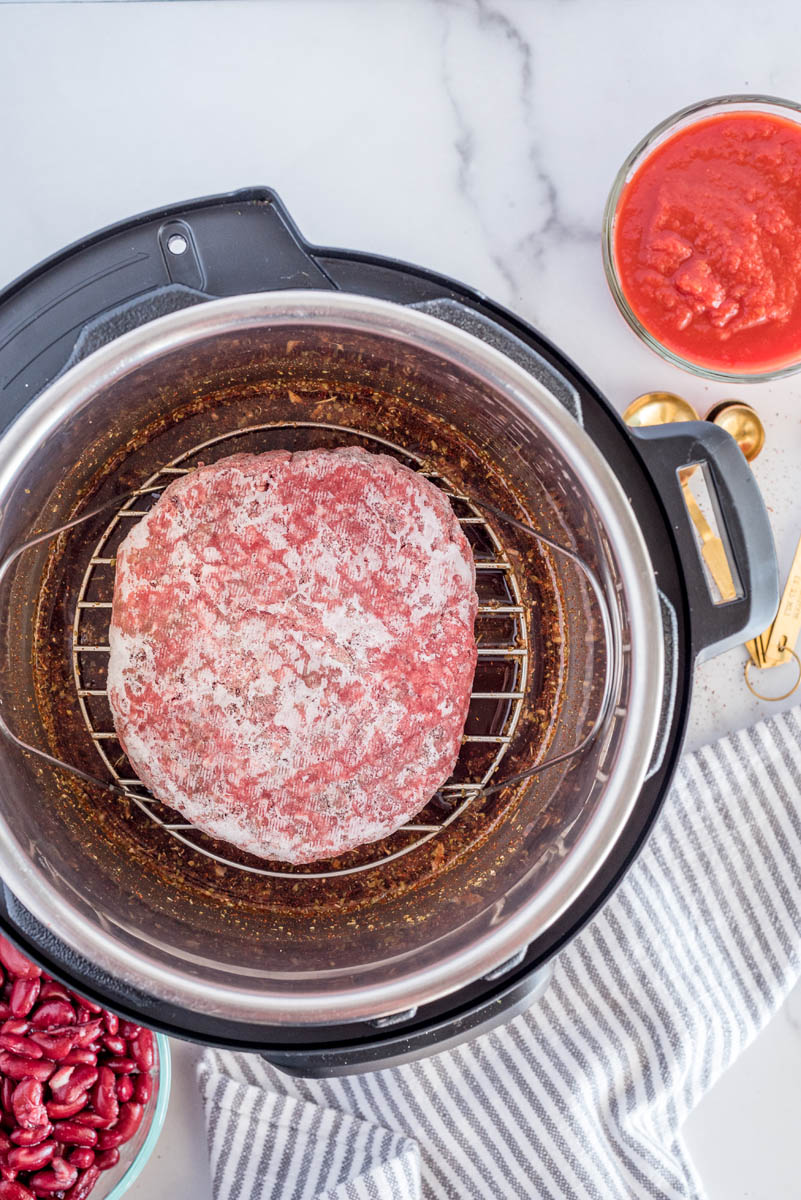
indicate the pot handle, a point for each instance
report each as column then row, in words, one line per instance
column 742, row 523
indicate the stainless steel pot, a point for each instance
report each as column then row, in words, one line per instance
column 211, row 934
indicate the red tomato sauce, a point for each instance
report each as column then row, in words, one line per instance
column 708, row 242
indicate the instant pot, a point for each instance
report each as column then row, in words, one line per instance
column 208, row 328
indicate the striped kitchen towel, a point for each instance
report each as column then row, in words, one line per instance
column 585, row 1094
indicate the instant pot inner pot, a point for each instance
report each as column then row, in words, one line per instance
column 189, row 903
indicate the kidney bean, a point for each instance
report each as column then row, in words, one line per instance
column 20, row 1045
column 61, row 1110
column 15, row 1191
column 92, row 1119
column 121, row 1066
column 5, row 1143
column 83, row 1076
column 23, row 996
column 72, row 1094
column 79, row 1190
column 7, row 1172
column 69, row 1081
column 60, row 1080
column 106, row 1159
column 15, row 961
column 110, row 1139
column 71, row 1031
column 54, row 1046
column 104, row 1094
column 50, row 1013
column 26, row 1104
column 64, row 1171
column 54, row 991
column 128, row 1122
column 143, row 1088
column 31, row 1137
column 125, row 1087
column 85, row 1002
column 6, row 1092
column 31, row 1158
column 29, row 1048
column 81, row 1055
column 111, row 1022
column 129, row 1030
column 82, row 1157
column 44, row 1183
column 72, row 1134
column 17, row 1067
column 5, row 1011
column 87, row 1033
column 57, row 1178
column 141, row 1049
column 115, row 1045
column 15, row 1025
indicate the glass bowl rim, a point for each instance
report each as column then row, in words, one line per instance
column 156, row 1124
column 740, row 101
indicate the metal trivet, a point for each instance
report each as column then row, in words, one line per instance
column 490, row 559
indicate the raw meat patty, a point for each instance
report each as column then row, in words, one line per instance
column 292, row 648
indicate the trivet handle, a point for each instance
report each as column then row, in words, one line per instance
column 743, row 525
column 6, row 565
column 606, row 705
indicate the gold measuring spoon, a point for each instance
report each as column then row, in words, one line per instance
column 776, row 645
column 663, row 408
column 743, row 423
column 659, row 408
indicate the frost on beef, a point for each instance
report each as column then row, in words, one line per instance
column 292, row 648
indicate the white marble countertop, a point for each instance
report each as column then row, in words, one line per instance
column 478, row 138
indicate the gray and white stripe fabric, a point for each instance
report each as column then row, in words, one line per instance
column 585, row 1094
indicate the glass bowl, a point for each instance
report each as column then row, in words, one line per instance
column 680, row 120
column 134, row 1154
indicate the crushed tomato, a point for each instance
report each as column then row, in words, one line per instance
column 707, row 242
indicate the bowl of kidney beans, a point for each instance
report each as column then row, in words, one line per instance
column 83, row 1093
